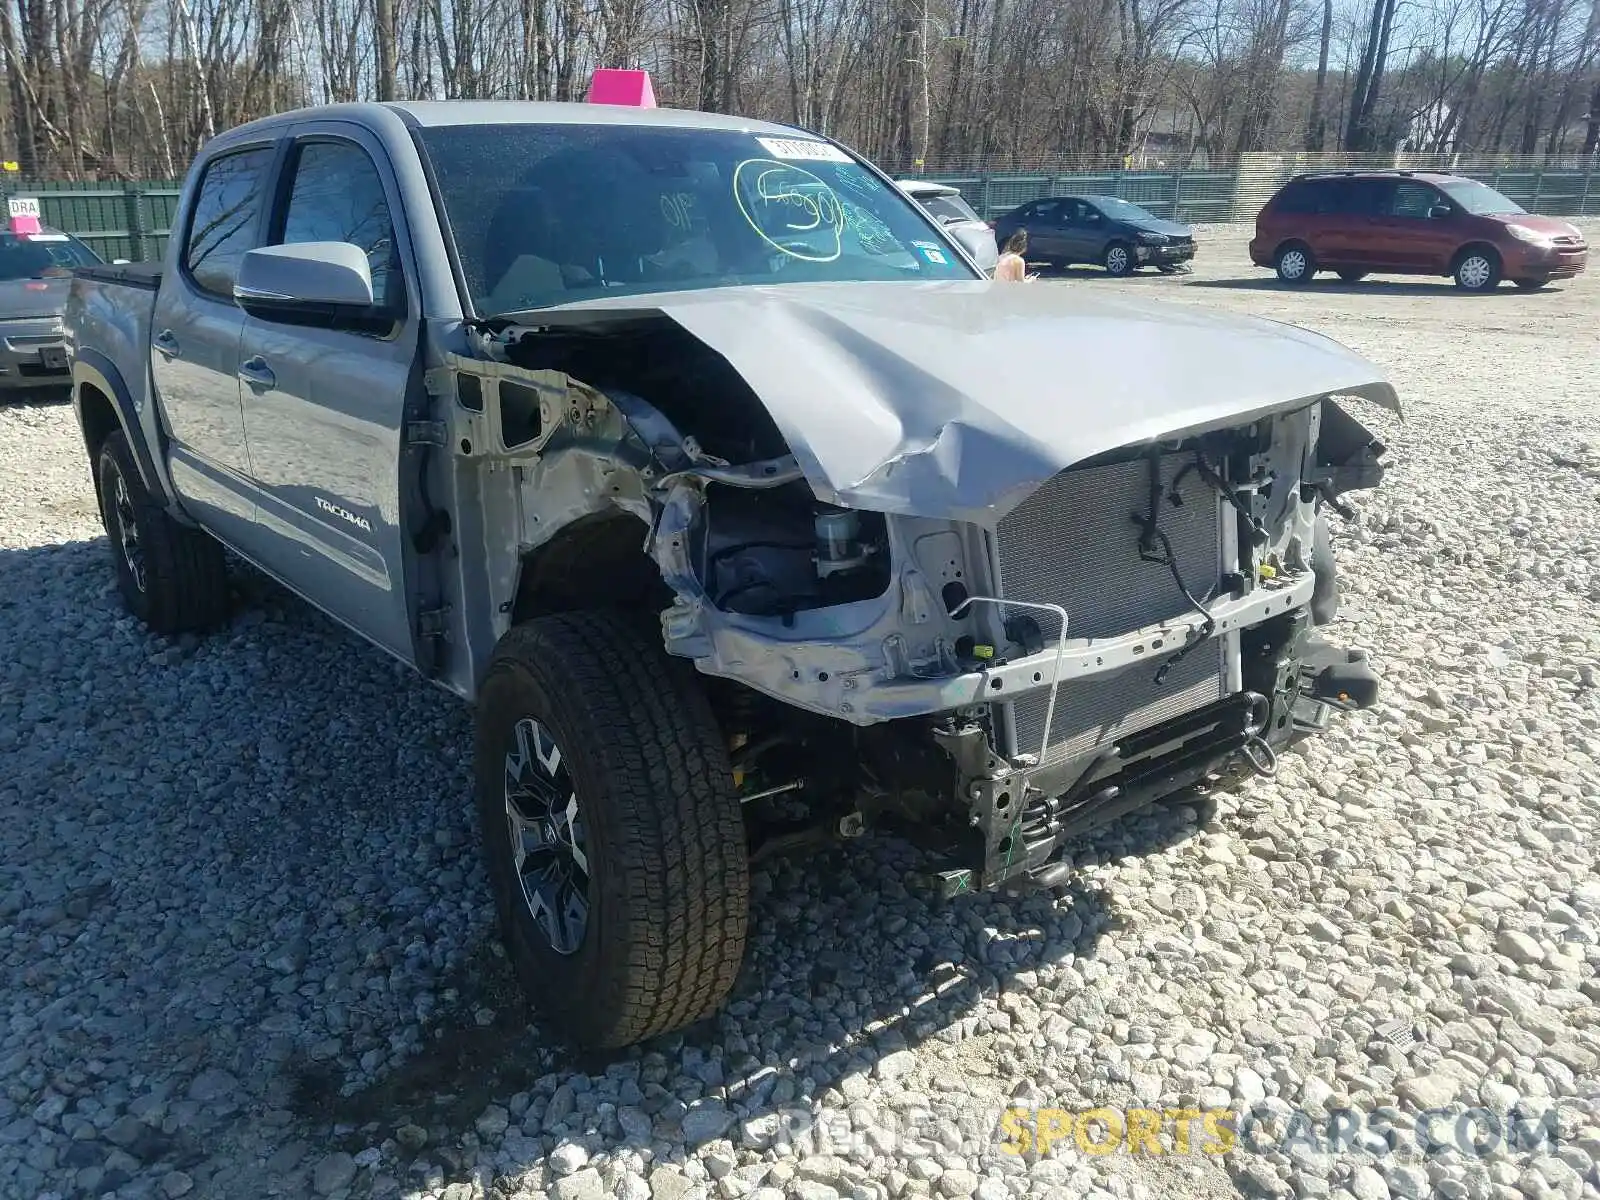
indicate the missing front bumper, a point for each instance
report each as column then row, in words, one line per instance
column 1025, row 814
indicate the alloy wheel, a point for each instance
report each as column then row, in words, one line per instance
column 548, row 846
column 1293, row 264
column 128, row 531
column 1475, row 272
column 1117, row 260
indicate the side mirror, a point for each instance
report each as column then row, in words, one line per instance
column 306, row 280
column 1439, row 211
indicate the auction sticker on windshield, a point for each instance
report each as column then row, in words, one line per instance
column 800, row 148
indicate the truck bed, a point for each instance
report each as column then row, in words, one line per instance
column 109, row 310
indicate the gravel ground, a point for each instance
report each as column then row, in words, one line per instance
column 247, row 947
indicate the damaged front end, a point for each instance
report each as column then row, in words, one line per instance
column 994, row 678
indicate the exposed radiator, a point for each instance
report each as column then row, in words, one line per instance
column 1074, row 543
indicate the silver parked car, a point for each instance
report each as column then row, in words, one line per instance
column 946, row 205
column 35, row 269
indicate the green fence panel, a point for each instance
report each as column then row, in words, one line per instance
column 1206, row 197
column 128, row 221
column 1561, row 193
column 1199, row 196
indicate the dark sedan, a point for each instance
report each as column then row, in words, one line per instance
column 35, row 269
column 1106, row 231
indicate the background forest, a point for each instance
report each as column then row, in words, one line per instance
column 128, row 89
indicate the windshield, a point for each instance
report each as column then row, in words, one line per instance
column 1122, row 210
column 1479, row 198
column 548, row 214
column 41, row 255
column 947, row 208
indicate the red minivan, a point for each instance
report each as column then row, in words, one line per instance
column 1411, row 223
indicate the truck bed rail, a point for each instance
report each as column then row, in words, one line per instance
column 139, row 275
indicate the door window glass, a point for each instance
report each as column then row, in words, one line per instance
column 338, row 197
column 226, row 218
column 1413, row 200
column 1370, row 197
column 1297, row 198
column 1333, row 198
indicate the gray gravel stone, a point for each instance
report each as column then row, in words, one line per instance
column 1428, row 1091
column 584, row 1185
column 333, row 1173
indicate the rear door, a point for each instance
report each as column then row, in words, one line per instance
column 1372, row 245
column 195, row 332
column 324, row 405
column 1331, row 227
column 1046, row 226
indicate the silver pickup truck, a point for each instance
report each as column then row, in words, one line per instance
column 745, row 510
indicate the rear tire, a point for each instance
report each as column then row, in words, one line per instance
column 1477, row 269
column 1295, row 264
column 1118, row 260
column 589, row 707
column 1352, row 276
column 172, row 577
column 1531, row 285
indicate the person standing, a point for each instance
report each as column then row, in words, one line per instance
column 1013, row 265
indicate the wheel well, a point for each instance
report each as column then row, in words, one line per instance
column 1486, row 247
column 596, row 562
column 99, row 421
column 1289, row 244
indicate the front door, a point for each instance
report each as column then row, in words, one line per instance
column 324, row 407
column 195, row 334
column 1084, row 232
column 1412, row 238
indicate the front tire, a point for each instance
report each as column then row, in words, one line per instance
column 1119, row 260
column 1531, row 285
column 1295, row 264
column 615, row 844
column 1352, row 276
column 1477, row 270
column 172, row 577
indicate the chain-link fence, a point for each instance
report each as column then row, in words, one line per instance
column 131, row 220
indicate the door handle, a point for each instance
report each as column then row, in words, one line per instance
column 256, row 373
column 167, row 343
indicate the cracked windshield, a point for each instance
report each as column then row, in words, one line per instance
column 543, row 215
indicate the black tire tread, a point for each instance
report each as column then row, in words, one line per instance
column 186, row 574
column 681, row 857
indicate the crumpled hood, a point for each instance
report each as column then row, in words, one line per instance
column 32, row 297
column 958, row 399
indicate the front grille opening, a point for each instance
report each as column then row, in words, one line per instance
column 1075, row 543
